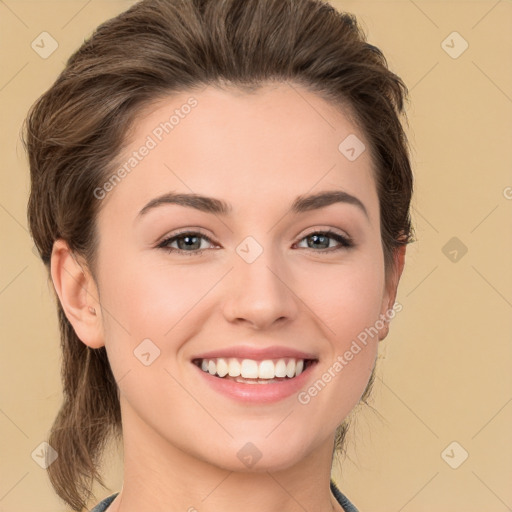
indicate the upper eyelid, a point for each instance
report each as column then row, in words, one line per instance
column 194, row 231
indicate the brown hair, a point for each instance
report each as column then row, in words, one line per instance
column 76, row 130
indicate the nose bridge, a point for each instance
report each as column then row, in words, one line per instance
column 260, row 293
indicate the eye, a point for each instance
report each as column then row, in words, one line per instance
column 321, row 240
column 188, row 242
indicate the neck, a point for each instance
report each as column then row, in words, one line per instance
column 161, row 477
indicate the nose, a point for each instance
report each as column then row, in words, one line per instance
column 261, row 293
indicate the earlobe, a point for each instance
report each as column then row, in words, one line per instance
column 77, row 293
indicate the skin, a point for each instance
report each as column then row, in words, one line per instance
column 257, row 152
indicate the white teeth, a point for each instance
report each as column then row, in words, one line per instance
column 222, row 367
column 266, row 370
column 234, row 368
column 249, row 369
column 299, row 367
column 290, row 368
column 280, row 369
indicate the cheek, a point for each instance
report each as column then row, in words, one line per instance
column 350, row 311
column 347, row 299
column 348, row 306
column 155, row 300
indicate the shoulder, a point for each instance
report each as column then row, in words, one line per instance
column 102, row 505
column 342, row 499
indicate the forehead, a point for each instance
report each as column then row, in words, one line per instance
column 246, row 148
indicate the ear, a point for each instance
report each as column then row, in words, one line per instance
column 78, row 294
column 390, row 288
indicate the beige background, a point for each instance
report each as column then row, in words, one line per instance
column 444, row 370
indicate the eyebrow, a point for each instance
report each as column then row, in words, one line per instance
column 301, row 204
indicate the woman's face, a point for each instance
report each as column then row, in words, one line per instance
column 260, row 275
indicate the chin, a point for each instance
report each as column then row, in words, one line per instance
column 258, row 455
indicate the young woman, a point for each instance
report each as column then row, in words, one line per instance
column 220, row 192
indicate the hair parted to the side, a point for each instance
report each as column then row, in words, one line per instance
column 75, row 131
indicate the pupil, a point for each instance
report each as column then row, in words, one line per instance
column 316, row 238
column 188, row 239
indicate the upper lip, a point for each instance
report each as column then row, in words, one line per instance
column 256, row 353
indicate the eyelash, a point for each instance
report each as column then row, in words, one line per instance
column 345, row 242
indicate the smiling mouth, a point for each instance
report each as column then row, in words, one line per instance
column 250, row 371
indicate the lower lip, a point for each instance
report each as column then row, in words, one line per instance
column 267, row 393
